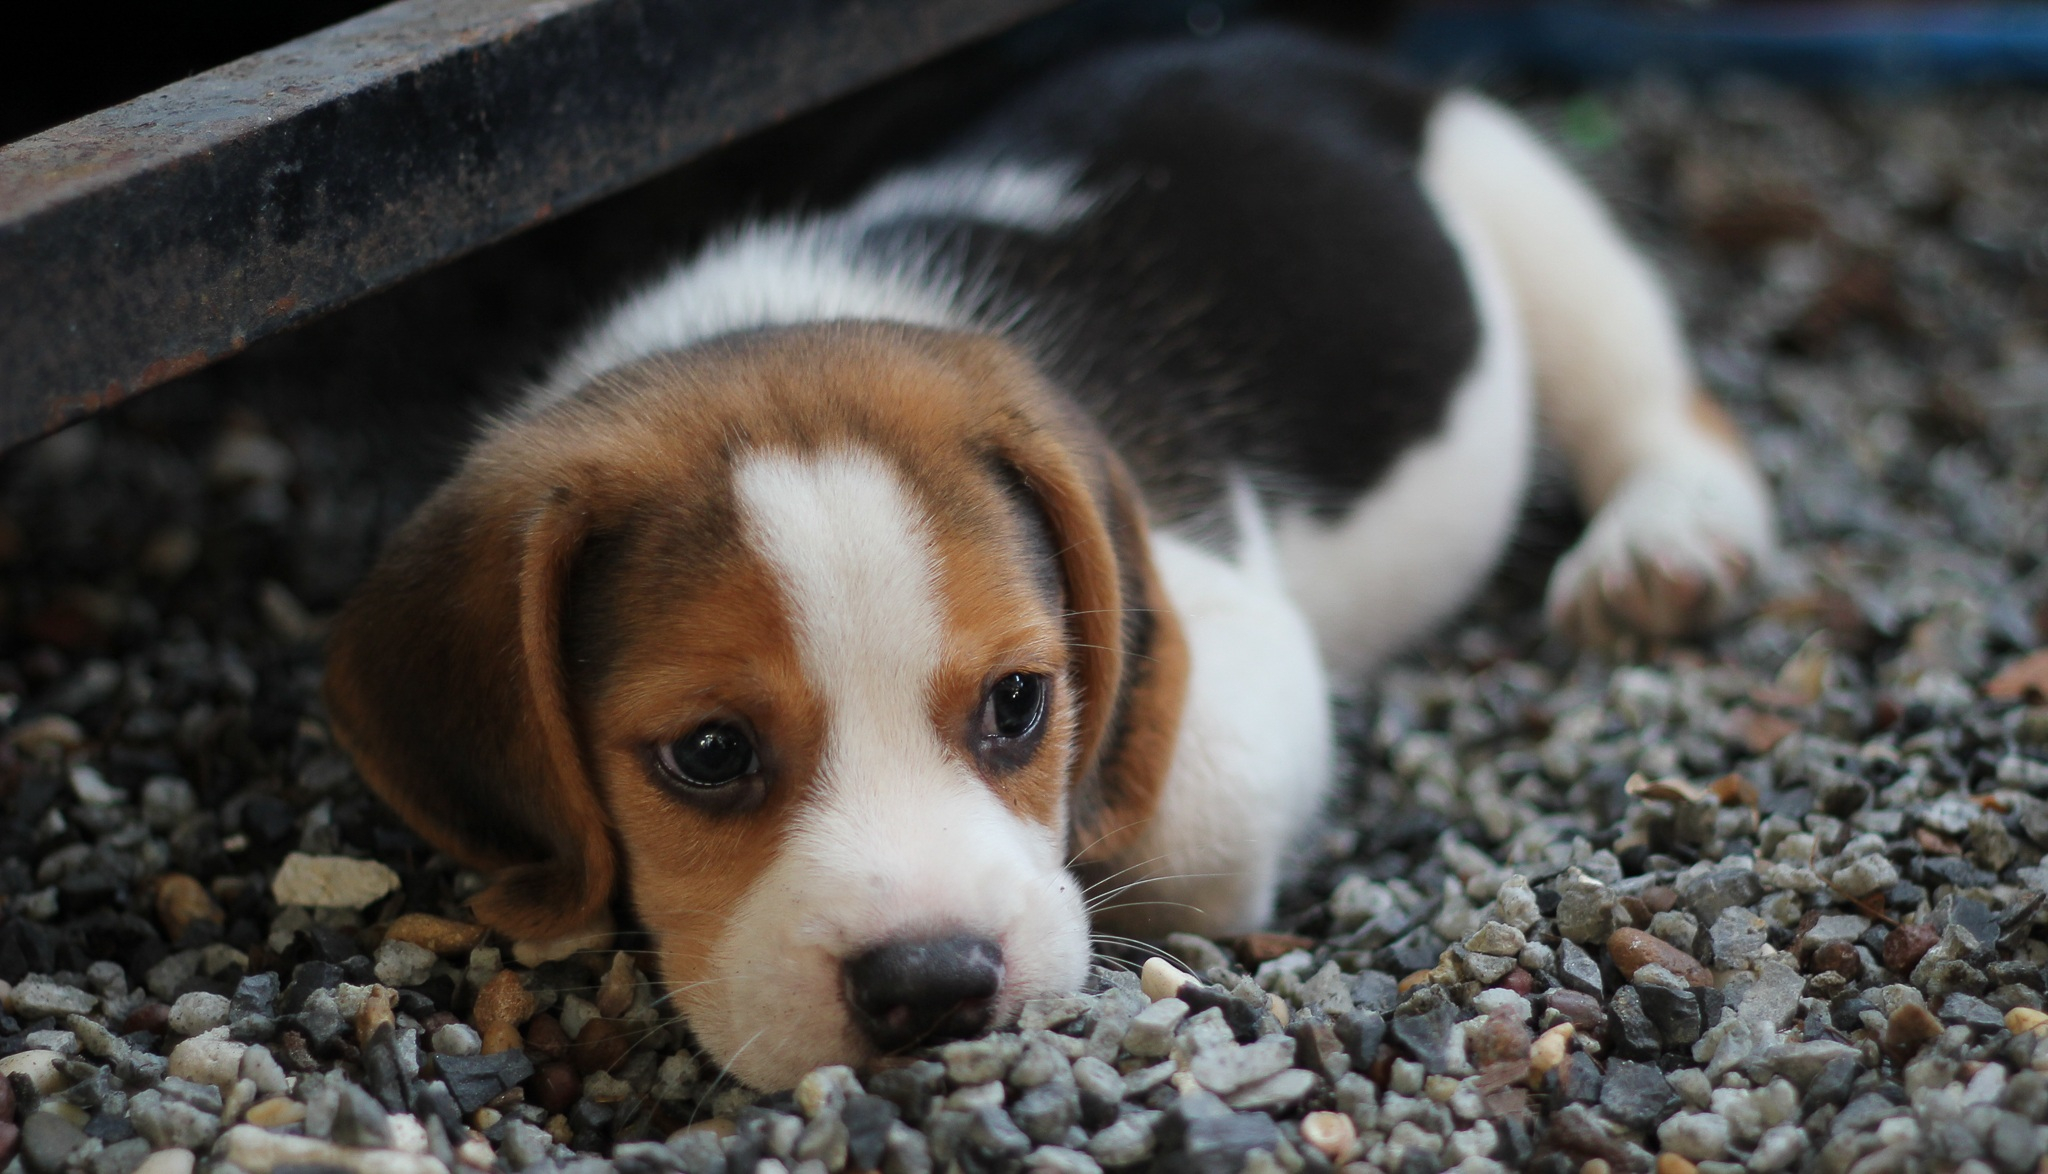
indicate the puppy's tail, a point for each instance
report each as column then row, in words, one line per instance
column 1255, row 554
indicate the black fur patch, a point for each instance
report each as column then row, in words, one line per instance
column 1263, row 286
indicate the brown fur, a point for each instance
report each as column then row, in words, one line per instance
column 516, row 737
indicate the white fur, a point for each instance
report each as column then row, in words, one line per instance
column 1668, row 497
column 1253, row 758
column 897, row 836
column 1408, row 554
column 814, row 269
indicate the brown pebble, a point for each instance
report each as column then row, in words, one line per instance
column 1660, row 898
column 10, row 1140
column 1632, row 949
column 1264, row 947
column 1670, row 1163
column 6, row 1100
column 181, row 902
column 1501, row 1038
column 1581, row 1010
column 1518, row 980
column 153, row 1017
column 439, row 934
column 1734, row 791
column 615, row 994
column 558, row 1128
column 1413, row 980
column 436, row 1022
column 296, row 1054
column 1909, row 1028
column 500, row 1037
column 1935, row 844
column 1906, row 945
column 275, row 1112
column 501, row 1006
column 1840, row 957
column 600, row 1047
column 555, row 1087
column 376, row 1013
column 1638, row 910
column 545, row 1037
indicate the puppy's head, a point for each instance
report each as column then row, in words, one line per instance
column 828, row 648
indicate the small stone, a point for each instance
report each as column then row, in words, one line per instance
column 275, row 1113
column 1633, row 949
column 1864, row 876
column 1636, row 1096
column 1906, row 945
column 1053, row 1159
column 1670, row 1163
column 602, row 1046
column 2021, row 1020
column 198, row 1012
column 1705, row 894
column 1910, row 1027
column 401, row 963
column 1496, row 939
column 475, row 1081
column 211, row 1058
column 34, row 999
column 331, row 882
column 47, row 1139
column 170, row 1123
column 615, row 992
column 182, row 902
column 1332, row 1134
column 501, row 1006
column 994, row 1134
column 1698, row 1136
column 1046, row 1112
column 1630, row 1030
column 1150, row 1034
column 1584, row 1011
column 1227, row 1068
column 1548, row 1051
column 1274, row 1093
column 1160, row 979
column 1676, row 1013
column 449, row 939
column 1129, row 1142
column 457, row 1039
column 980, row 1061
column 169, row 1161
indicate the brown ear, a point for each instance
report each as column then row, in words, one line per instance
column 1131, row 658
column 445, row 681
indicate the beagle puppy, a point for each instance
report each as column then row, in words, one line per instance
column 852, row 599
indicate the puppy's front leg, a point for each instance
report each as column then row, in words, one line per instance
column 1680, row 515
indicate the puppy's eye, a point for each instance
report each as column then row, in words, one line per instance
column 1014, row 707
column 712, row 755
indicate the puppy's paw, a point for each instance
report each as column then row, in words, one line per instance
column 1667, row 556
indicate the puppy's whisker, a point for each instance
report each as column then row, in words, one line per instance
column 1096, row 901
column 724, row 1070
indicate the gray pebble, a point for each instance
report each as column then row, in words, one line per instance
column 47, row 1140
column 172, row 1124
column 1128, row 1142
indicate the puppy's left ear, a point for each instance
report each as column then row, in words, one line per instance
column 1130, row 656
column 445, row 681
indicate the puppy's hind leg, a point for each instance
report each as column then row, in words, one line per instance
column 1679, row 515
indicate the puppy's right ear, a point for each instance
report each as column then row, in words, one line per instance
column 445, row 681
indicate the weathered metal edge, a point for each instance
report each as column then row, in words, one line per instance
column 149, row 239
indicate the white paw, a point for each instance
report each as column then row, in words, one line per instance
column 1668, row 555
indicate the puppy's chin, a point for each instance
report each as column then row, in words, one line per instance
column 772, row 1004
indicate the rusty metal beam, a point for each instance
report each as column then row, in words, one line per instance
column 151, row 238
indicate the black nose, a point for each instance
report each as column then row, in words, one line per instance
column 925, row 990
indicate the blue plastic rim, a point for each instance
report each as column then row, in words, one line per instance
column 1857, row 45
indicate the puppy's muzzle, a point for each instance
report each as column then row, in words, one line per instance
column 925, row 990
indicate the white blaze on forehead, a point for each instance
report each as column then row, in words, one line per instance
column 897, row 836
column 856, row 564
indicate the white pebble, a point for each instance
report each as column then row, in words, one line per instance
column 457, row 1039
column 198, row 1012
column 212, row 1058
column 1161, row 979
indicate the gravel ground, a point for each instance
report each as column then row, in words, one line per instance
column 1772, row 903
